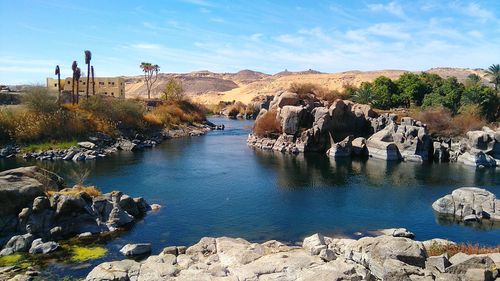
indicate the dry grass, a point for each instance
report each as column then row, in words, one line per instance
column 174, row 113
column 267, row 125
column 469, row 249
column 440, row 121
column 90, row 190
column 42, row 121
column 322, row 93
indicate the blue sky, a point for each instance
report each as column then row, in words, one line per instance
column 227, row 36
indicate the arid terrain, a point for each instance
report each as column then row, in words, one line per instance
column 210, row 88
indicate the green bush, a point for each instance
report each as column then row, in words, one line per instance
column 38, row 99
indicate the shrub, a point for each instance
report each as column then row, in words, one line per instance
column 38, row 99
column 267, row 125
column 173, row 114
column 90, row 190
column 174, row 91
column 364, row 94
column 303, row 90
column 469, row 249
column 440, row 121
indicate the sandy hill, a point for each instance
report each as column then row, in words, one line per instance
column 210, row 88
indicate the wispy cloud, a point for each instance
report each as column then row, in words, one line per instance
column 146, row 46
column 393, row 8
column 290, row 39
column 475, row 10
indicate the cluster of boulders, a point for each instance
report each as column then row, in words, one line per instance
column 469, row 204
column 34, row 220
column 384, row 257
column 345, row 128
column 101, row 145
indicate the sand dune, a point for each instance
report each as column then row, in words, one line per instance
column 210, row 88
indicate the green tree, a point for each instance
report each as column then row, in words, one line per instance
column 383, row 91
column 494, row 74
column 485, row 98
column 150, row 75
column 448, row 95
column 364, row 94
column 472, row 80
column 173, row 90
column 412, row 89
column 434, row 81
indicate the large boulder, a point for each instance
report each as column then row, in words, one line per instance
column 291, row 119
column 477, row 159
column 19, row 187
column 373, row 252
column 341, row 149
column 469, row 201
column 130, row 250
column 284, row 98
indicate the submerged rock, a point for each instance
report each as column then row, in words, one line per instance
column 136, row 249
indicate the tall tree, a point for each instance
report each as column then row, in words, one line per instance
column 78, row 74
column 173, row 90
column 58, row 73
column 88, row 58
column 74, row 66
column 150, row 75
column 93, row 82
column 494, row 73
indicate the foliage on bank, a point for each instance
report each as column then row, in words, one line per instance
column 40, row 119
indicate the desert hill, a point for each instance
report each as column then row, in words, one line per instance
column 210, row 88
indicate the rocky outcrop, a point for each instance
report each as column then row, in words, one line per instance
column 319, row 258
column 469, row 204
column 18, row 188
column 32, row 214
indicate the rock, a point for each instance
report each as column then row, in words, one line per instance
column 155, row 207
column 39, row 247
column 87, row 145
column 473, row 261
column 359, row 147
column 327, row 255
column 136, row 249
column 478, row 159
column 172, row 250
column 19, row 187
column 398, row 232
column 284, row 98
column 469, row 204
column 437, row 242
column 126, row 145
column 439, row 263
column 372, row 252
column 237, row 251
column 478, row 274
column 18, row 243
column 314, row 244
column 291, row 118
column 341, row 149
column 115, row 271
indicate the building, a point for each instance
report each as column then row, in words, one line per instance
column 108, row 86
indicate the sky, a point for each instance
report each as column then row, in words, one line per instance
column 231, row 35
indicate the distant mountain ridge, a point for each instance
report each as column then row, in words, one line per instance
column 210, row 87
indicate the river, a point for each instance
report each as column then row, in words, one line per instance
column 215, row 185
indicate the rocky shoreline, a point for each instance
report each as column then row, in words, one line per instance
column 38, row 210
column 346, row 129
column 386, row 257
column 101, row 145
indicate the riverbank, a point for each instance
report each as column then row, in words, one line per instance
column 386, row 257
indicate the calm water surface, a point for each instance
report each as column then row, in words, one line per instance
column 215, row 185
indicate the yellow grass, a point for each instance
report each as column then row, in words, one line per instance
column 90, row 190
column 469, row 249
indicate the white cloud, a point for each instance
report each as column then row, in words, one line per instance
column 392, row 8
column 146, row 46
column 475, row 10
column 290, row 39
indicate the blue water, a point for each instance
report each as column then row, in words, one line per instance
column 215, row 185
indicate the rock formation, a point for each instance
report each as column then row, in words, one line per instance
column 345, row 128
column 469, row 204
column 319, row 258
column 28, row 212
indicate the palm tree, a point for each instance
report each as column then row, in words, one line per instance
column 150, row 75
column 74, row 66
column 363, row 95
column 93, row 82
column 58, row 73
column 78, row 74
column 88, row 58
column 494, row 73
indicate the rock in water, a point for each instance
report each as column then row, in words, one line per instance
column 136, row 249
column 469, row 203
column 39, row 247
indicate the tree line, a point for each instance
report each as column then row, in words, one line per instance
column 431, row 90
